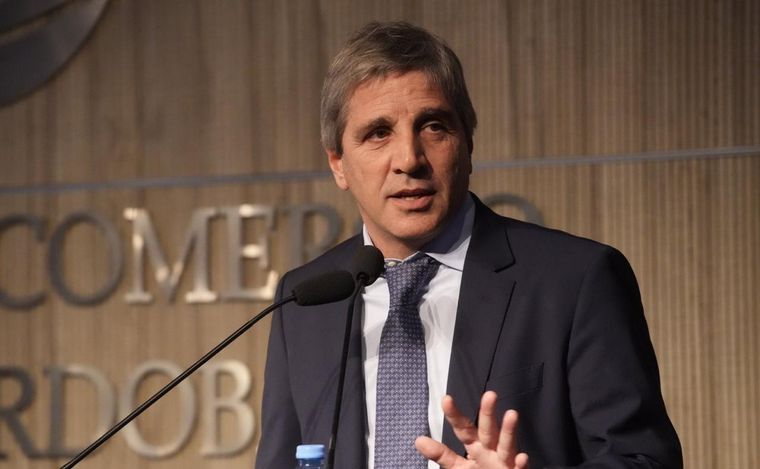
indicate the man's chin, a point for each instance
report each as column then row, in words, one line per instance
column 419, row 235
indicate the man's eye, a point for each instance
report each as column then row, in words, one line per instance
column 435, row 127
column 378, row 134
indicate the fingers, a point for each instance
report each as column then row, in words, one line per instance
column 438, row 452
column 506, row 448
column 488, row 428
column 521, row 461
column 463, row 427
column 488, row 444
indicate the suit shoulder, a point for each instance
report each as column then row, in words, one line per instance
column 525, row 235
column 531, row 240
column 522, row 229
column 560, row 260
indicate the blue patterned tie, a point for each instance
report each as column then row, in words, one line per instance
column 402, row 388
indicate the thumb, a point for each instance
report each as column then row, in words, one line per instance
column 438, row 452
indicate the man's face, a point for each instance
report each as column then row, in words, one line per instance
column 405, row 160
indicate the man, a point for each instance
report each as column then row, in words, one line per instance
column 551, row 323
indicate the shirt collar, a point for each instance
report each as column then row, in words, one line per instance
column 450, row 246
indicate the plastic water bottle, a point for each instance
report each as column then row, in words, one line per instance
column 310, row 456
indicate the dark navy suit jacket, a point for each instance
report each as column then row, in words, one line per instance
column 552, row 322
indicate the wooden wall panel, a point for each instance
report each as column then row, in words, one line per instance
column 634, row 122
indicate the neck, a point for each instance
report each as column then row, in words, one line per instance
column 397, row 249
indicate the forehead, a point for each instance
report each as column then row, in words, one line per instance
column 394, row 94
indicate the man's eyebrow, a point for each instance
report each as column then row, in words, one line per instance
column 365, row 128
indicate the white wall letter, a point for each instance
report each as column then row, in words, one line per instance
column 213, row 405
column 144, row 235
column 186, row 417
column 238, row 252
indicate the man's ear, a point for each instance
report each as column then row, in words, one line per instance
column 336, row 166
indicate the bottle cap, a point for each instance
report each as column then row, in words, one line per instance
column 310, row 451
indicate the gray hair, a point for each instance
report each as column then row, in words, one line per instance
column 381, row 49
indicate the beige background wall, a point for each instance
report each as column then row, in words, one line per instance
column 636, row 123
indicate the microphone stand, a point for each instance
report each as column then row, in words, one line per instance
column 361, row 281
column 145, row 405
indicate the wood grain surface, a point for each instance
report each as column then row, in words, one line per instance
column 633, row 122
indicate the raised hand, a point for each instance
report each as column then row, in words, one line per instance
column 489, row 446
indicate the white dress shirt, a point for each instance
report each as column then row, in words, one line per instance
column 438, row 310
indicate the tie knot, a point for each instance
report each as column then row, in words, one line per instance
column 408, row 280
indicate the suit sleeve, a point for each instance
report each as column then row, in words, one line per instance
column 280, row 431
column 613, row 378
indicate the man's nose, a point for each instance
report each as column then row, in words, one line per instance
column 409, row 156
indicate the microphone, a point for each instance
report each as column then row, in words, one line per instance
column 320, row 289
column 325, row 288
column 367, row 265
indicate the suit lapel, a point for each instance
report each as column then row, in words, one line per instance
column 483, row 301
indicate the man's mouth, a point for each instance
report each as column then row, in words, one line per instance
column 412, row 194
column 413, row 199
